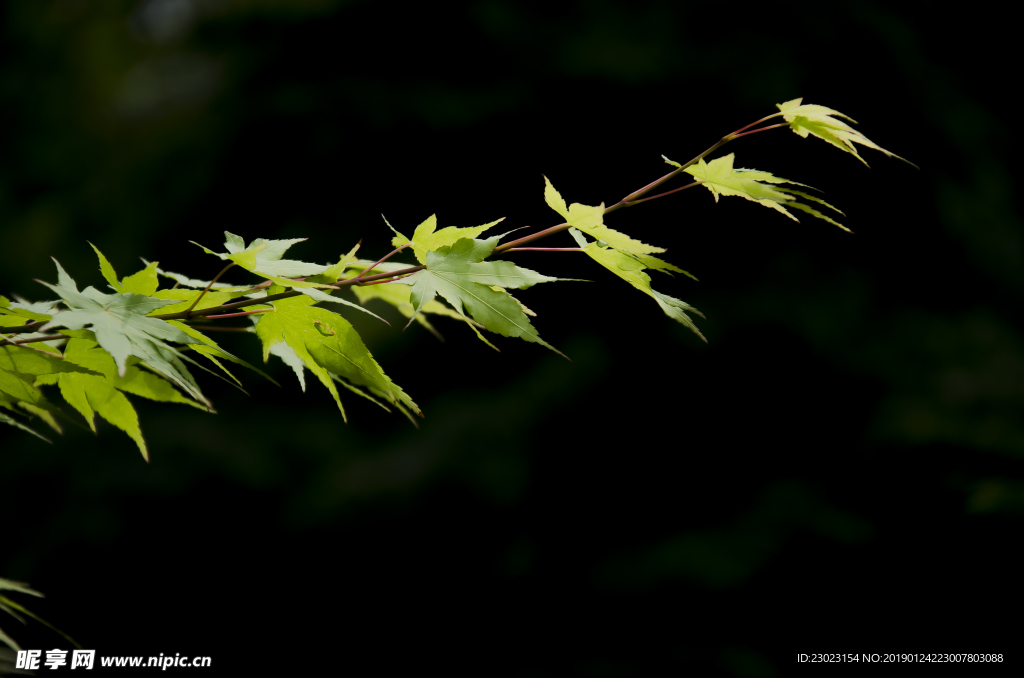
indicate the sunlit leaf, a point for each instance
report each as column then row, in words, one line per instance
column 459, row 275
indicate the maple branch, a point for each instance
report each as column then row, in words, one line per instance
column 756, row 122
column 32, row 340
column 215, row 328
column 267, row 283
column 380, row 261
column 530, row 238
column 235, row 315
column 662, row 195
column 628, row 201
column 734, row 135
column 382, row 282
column 282, row 295
column 207, row 289
column 545, row 249
column 31, row 327
column 379, row 276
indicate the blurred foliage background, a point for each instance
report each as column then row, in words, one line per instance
column 838, row 470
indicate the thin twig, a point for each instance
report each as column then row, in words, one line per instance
column 32, row 340
column 214, row 328
column 363, row 279
column 236, row 315
column 378, row 276
column 662, row 195
column 760, row 129
column 224, row 270
column 530, row 238
column 379, row 262
column 545, row 249
column 382, row 282
column 267, row 283
column 31, row 327
column 737, row 134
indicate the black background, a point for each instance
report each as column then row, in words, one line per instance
column 837, row 470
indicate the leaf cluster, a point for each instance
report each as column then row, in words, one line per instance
column 146, row 335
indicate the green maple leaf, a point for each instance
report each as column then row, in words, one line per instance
column 326, row 344
column 144, row 282
column 11, row 421
column 805, row 119
column 16, row 315
column 290, row 358
column 8, row 605
column 85, row 353
column 264, row 258
column 761, row 187
column 13, row 608
column 340, row 350
column 19, row 389
column 121, row 327
column 213, row 352
column 186, row 297
column 35, row 363
column 631, row 269
column 23, row 369
column 398, row 296
column 335, row 271
column 459, row 275
column 427, row 239
column 591, row 220
column 96, row 387
column 184, row 281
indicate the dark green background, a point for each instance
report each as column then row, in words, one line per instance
column 838, row 470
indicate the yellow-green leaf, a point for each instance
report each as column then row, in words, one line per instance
column 427, row 239
column 809, row 119
column 591, row 220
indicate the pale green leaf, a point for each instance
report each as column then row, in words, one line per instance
column 121, row 327
column 397, row 295
column 46, row 412
column 136, row 381
column 721, row 178
column 19, row 389
column 112, row 405
column 10, row 421
column 264, row 257
column 339, row 350
column 336, row 271
column 39, row 310
column 427, row 239
column 10, row 313
column 185, row 281
column 459, row 275
column 212, row 351
column 8, row 603
column 73, row 393
column 35, row 363
column 360, row 392
column 107, row 270
column 287, row 354
column 88, row 394
column 591, row 220
column 632, row 271
column 186, row 296
column 144, row 282
column 805, row 119
column 20, row 587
